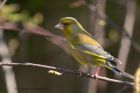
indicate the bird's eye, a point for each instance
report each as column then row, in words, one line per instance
column 65, row 24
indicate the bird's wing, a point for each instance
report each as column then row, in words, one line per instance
column 96, row 51
column 86, row 43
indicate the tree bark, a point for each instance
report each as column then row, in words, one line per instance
column 128, row 26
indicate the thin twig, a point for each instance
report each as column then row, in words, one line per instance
column 63, row 71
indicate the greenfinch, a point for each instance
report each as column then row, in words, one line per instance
column 84, row 48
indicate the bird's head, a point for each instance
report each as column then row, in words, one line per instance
column 69, row 25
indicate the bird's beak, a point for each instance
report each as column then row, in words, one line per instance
column 59, row 26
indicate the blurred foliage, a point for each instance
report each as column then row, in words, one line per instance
column 137, row 81
column 12, row 13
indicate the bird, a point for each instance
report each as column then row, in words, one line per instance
column 85, row 48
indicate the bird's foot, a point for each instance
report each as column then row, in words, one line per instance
column 95, row 76
column 96, row 73
column 82, row 70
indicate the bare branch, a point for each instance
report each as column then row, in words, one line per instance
column 129, row 26
column 2, row 3
column 55, row 39
column 9, row 74
column 68, row 71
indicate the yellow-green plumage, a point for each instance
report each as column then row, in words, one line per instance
column 84, row 48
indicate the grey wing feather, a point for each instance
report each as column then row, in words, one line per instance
column 99, row 51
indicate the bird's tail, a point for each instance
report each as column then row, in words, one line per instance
column 118, row 71
column 114, row 60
